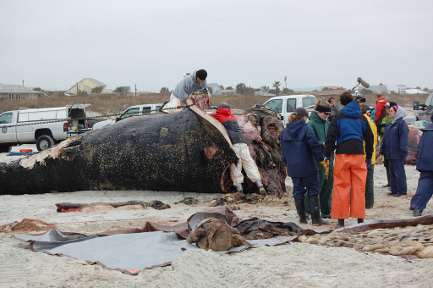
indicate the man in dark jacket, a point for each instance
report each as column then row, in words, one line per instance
column 320, row 124
column 349, row 129
column 225, row 117
column 424, row 165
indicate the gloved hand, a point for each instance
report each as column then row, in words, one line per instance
column 368, row 162
column 383, row 124
column 324, row 164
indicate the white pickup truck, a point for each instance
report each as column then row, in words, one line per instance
column 136, row 110
column 44, row 126
column 286, row 105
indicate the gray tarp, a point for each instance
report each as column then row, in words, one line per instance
column 129, row 253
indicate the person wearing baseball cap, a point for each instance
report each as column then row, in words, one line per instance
column 190, row 84
column 385, row 121
column 301, row 150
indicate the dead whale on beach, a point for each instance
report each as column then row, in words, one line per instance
column 185, row 151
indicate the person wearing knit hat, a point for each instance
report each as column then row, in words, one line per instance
column 424, row 165
column 301, row 150
column 189, row 84
column 395, row 148
column 347, row 132
column 319, row 122
column 245, row 161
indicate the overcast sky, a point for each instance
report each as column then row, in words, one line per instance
column 152, row 44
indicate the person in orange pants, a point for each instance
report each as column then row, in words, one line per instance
column 350, row 173
column 347, row 132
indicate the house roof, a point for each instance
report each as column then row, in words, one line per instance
column 99, row 83
column 17, row 89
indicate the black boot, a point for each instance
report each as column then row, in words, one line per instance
column 360, row 220
column 315, row 211
column 300, row 207
column 340, row 223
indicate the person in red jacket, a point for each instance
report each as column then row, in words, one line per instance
column 380, row 111
column 225, row 116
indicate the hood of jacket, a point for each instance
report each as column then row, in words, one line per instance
column 400, row 113
column 381, row 99
column 352, row 109
column 293, row 129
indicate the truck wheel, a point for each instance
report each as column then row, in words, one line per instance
column 44, row 142
column 5, row 148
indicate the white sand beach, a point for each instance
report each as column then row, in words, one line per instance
column 289, row 265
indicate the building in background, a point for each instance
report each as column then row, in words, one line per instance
column 86, row 85
column 18, row 91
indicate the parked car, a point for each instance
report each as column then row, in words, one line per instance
column 424, row 111
column 129, row 112
column 43, row 126
column 286, row 105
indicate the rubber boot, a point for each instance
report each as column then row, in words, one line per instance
column 300, row 207
column 315, row 211
column 340, row 223
column 360, row 220
column 262, row 190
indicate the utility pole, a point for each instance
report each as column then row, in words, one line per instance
column 135, row 88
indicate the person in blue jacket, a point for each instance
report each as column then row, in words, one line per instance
column 394, row 148
column 301, row 150
column 424, row 165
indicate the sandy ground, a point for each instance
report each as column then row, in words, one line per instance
column 289, row 265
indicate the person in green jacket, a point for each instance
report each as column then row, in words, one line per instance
column 319, row 122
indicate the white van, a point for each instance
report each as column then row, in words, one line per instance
column 286, row 104
column 136, row 110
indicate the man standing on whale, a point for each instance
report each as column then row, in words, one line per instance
column 190, row 84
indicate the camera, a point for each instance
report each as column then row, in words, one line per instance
column 360, row 98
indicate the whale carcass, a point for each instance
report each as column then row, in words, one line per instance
column 185, row 151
